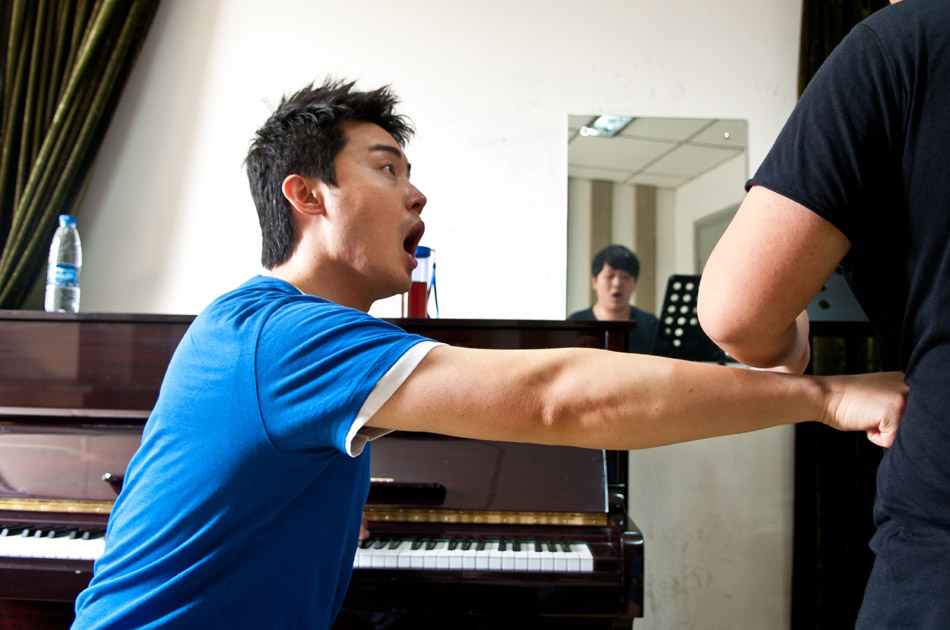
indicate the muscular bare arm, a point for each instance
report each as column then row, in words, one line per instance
column 601, row 399
column 772, row 260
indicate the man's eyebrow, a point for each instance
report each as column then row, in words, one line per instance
column 387, row 148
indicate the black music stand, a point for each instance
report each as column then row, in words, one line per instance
column 678, row 334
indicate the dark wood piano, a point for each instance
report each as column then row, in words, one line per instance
column 487, row 534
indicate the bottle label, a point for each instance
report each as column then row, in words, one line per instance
column 63, row 275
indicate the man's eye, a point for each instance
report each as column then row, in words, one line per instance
column 389, row 167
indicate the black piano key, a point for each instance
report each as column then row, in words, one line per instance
column 453, row 544
column 466, row 545
column 43, row 532
column 12, row 530
column 92, row 534
column 430, row 544
column 565, row 547
column 552, row 546
column 394, row 543
column 480, row 546
column 539, row 546
column 417, row 543
column 379, row 543
column 516, row 545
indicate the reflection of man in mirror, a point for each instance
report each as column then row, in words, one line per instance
column 614, row 274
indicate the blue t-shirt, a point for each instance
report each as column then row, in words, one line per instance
column 242, row 507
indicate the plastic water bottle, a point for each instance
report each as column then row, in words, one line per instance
column 65, row 265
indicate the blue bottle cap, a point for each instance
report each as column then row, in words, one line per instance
column 423, row 252
column 67, row 220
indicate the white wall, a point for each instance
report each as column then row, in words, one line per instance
column 168, row 223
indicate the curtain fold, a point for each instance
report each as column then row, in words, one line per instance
column 824, row 25
column 63, row 69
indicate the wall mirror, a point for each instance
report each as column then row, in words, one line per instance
column 664, row 187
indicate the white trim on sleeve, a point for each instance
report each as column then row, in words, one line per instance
column 359, row 435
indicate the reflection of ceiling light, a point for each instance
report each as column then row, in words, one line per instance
column 606, row 126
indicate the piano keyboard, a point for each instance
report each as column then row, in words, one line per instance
column 60, row 543
column 65, row 543
column 474, row 555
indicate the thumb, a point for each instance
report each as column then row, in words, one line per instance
column 884, row 433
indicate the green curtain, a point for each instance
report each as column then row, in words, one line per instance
column 834, row 471
column 824, row 25
column 64, row 64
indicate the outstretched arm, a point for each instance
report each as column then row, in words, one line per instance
column 613, row 400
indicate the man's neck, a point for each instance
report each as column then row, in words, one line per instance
column 315, row 282
column 618, row 314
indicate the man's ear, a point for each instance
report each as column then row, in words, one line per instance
column 303, row 193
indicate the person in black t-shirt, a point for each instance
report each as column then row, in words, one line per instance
column 858, row 177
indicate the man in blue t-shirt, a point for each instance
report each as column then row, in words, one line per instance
column 242, row 507
column 858, row 177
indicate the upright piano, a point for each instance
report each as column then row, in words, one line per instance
column 465, row 533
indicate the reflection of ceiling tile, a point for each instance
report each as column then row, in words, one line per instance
column 675, row 129
column 689, row 160
column 617, row 153
column 662, row 152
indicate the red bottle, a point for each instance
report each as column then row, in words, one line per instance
column 422, row 281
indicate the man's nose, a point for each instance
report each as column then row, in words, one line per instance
column 416, row 201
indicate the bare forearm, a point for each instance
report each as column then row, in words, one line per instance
column 640, row 401
column 613, row 400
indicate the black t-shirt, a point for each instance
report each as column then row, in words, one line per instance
column 868, row 149
column 641, row 339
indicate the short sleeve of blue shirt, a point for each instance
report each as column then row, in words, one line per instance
column 317, row 364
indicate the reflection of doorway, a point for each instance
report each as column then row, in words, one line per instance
column 708, row 231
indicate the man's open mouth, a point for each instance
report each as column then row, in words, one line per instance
column 412, row 240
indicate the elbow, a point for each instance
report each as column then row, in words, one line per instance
column 722, row 326
column 728, row 329
column 739, row 336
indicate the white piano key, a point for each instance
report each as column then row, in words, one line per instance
column 521, row 556
column 63, row 544
column 533, row 561
column 469, row 559
column 391, row 553
column 493, row 555
column 454, row 555
column 560, row 559
column 10, row 542
column 482, row 555
column 417, row 556
column 587, row 558
column 507, row 556
column 435, row 558
column 573, row 559
column 361, row 558
column 375, row 554
column 405, row 558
